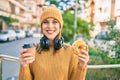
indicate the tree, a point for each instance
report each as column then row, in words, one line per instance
column 114, row 34
column 82, row 26
column 9, row 20
column 59, row 3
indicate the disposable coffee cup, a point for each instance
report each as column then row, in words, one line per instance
column 27, row 46
column 30, row 49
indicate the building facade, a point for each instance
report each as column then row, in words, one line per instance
column 25, row 11
column 101, row 11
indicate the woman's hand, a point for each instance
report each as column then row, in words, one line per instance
column 83, row 57
column 27, row 56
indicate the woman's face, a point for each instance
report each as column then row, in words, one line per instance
column 50, row 28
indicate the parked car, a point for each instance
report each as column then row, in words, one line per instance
column 103, row 35
column 20, row 34
column 7, row 35
column 29, row 33
column 36, row 34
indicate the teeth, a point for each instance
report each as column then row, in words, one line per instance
column 50, row 31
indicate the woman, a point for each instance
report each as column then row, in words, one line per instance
column 53, row 60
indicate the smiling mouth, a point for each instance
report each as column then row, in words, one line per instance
column 50, row 31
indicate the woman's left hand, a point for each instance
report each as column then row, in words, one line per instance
column 83, row 57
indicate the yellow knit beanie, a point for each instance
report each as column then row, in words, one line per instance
column 51, row 12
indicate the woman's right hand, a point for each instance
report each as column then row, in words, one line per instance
column 27, row 56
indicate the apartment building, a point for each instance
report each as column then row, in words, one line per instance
column 11, row 9
column 33, row 11
column 25, row 11
column 100, row 11
column 4, row 11
column 117, row 13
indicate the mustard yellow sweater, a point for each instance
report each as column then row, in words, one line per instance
column 63, row 65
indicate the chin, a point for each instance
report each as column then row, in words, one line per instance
column 51, row 38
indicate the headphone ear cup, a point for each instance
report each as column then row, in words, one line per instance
column 44, row 43
column 58, row 42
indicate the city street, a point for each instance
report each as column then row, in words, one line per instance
column 10, row 69
column 97, row 22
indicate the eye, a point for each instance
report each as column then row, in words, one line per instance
column 55, row 22
column 45, row 22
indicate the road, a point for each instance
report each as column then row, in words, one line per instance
column 12, row 48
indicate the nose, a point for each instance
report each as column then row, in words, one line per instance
column 50, row 25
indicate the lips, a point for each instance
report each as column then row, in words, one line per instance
column 50, row 31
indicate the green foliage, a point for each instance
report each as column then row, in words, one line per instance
column 118, row 49
column 67, row 31
column 103, row 74
column 9, row 20
column 103, row 56
column 98, row 57
column 68, row 26
column 56, row 2
column 114, row 34
column 82, row 27
column 91, row 26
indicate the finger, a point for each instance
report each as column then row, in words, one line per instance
column 84, row 57
column 83, row 53
column 26, row 55
column 22, row 61
column 28, row 58
column 82, row 64
column 29, row 61
column 82, row 60
column 23, row 51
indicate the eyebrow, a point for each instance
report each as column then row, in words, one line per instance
column 53, row 19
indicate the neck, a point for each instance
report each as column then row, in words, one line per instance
column 51, row 42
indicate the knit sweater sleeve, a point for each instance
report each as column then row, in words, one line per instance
column 76, row 72
column 24, row 73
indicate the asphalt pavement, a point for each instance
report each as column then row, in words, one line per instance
column 10, row 69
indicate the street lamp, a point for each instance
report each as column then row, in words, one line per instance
column 75, row 18
column 77, row 6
